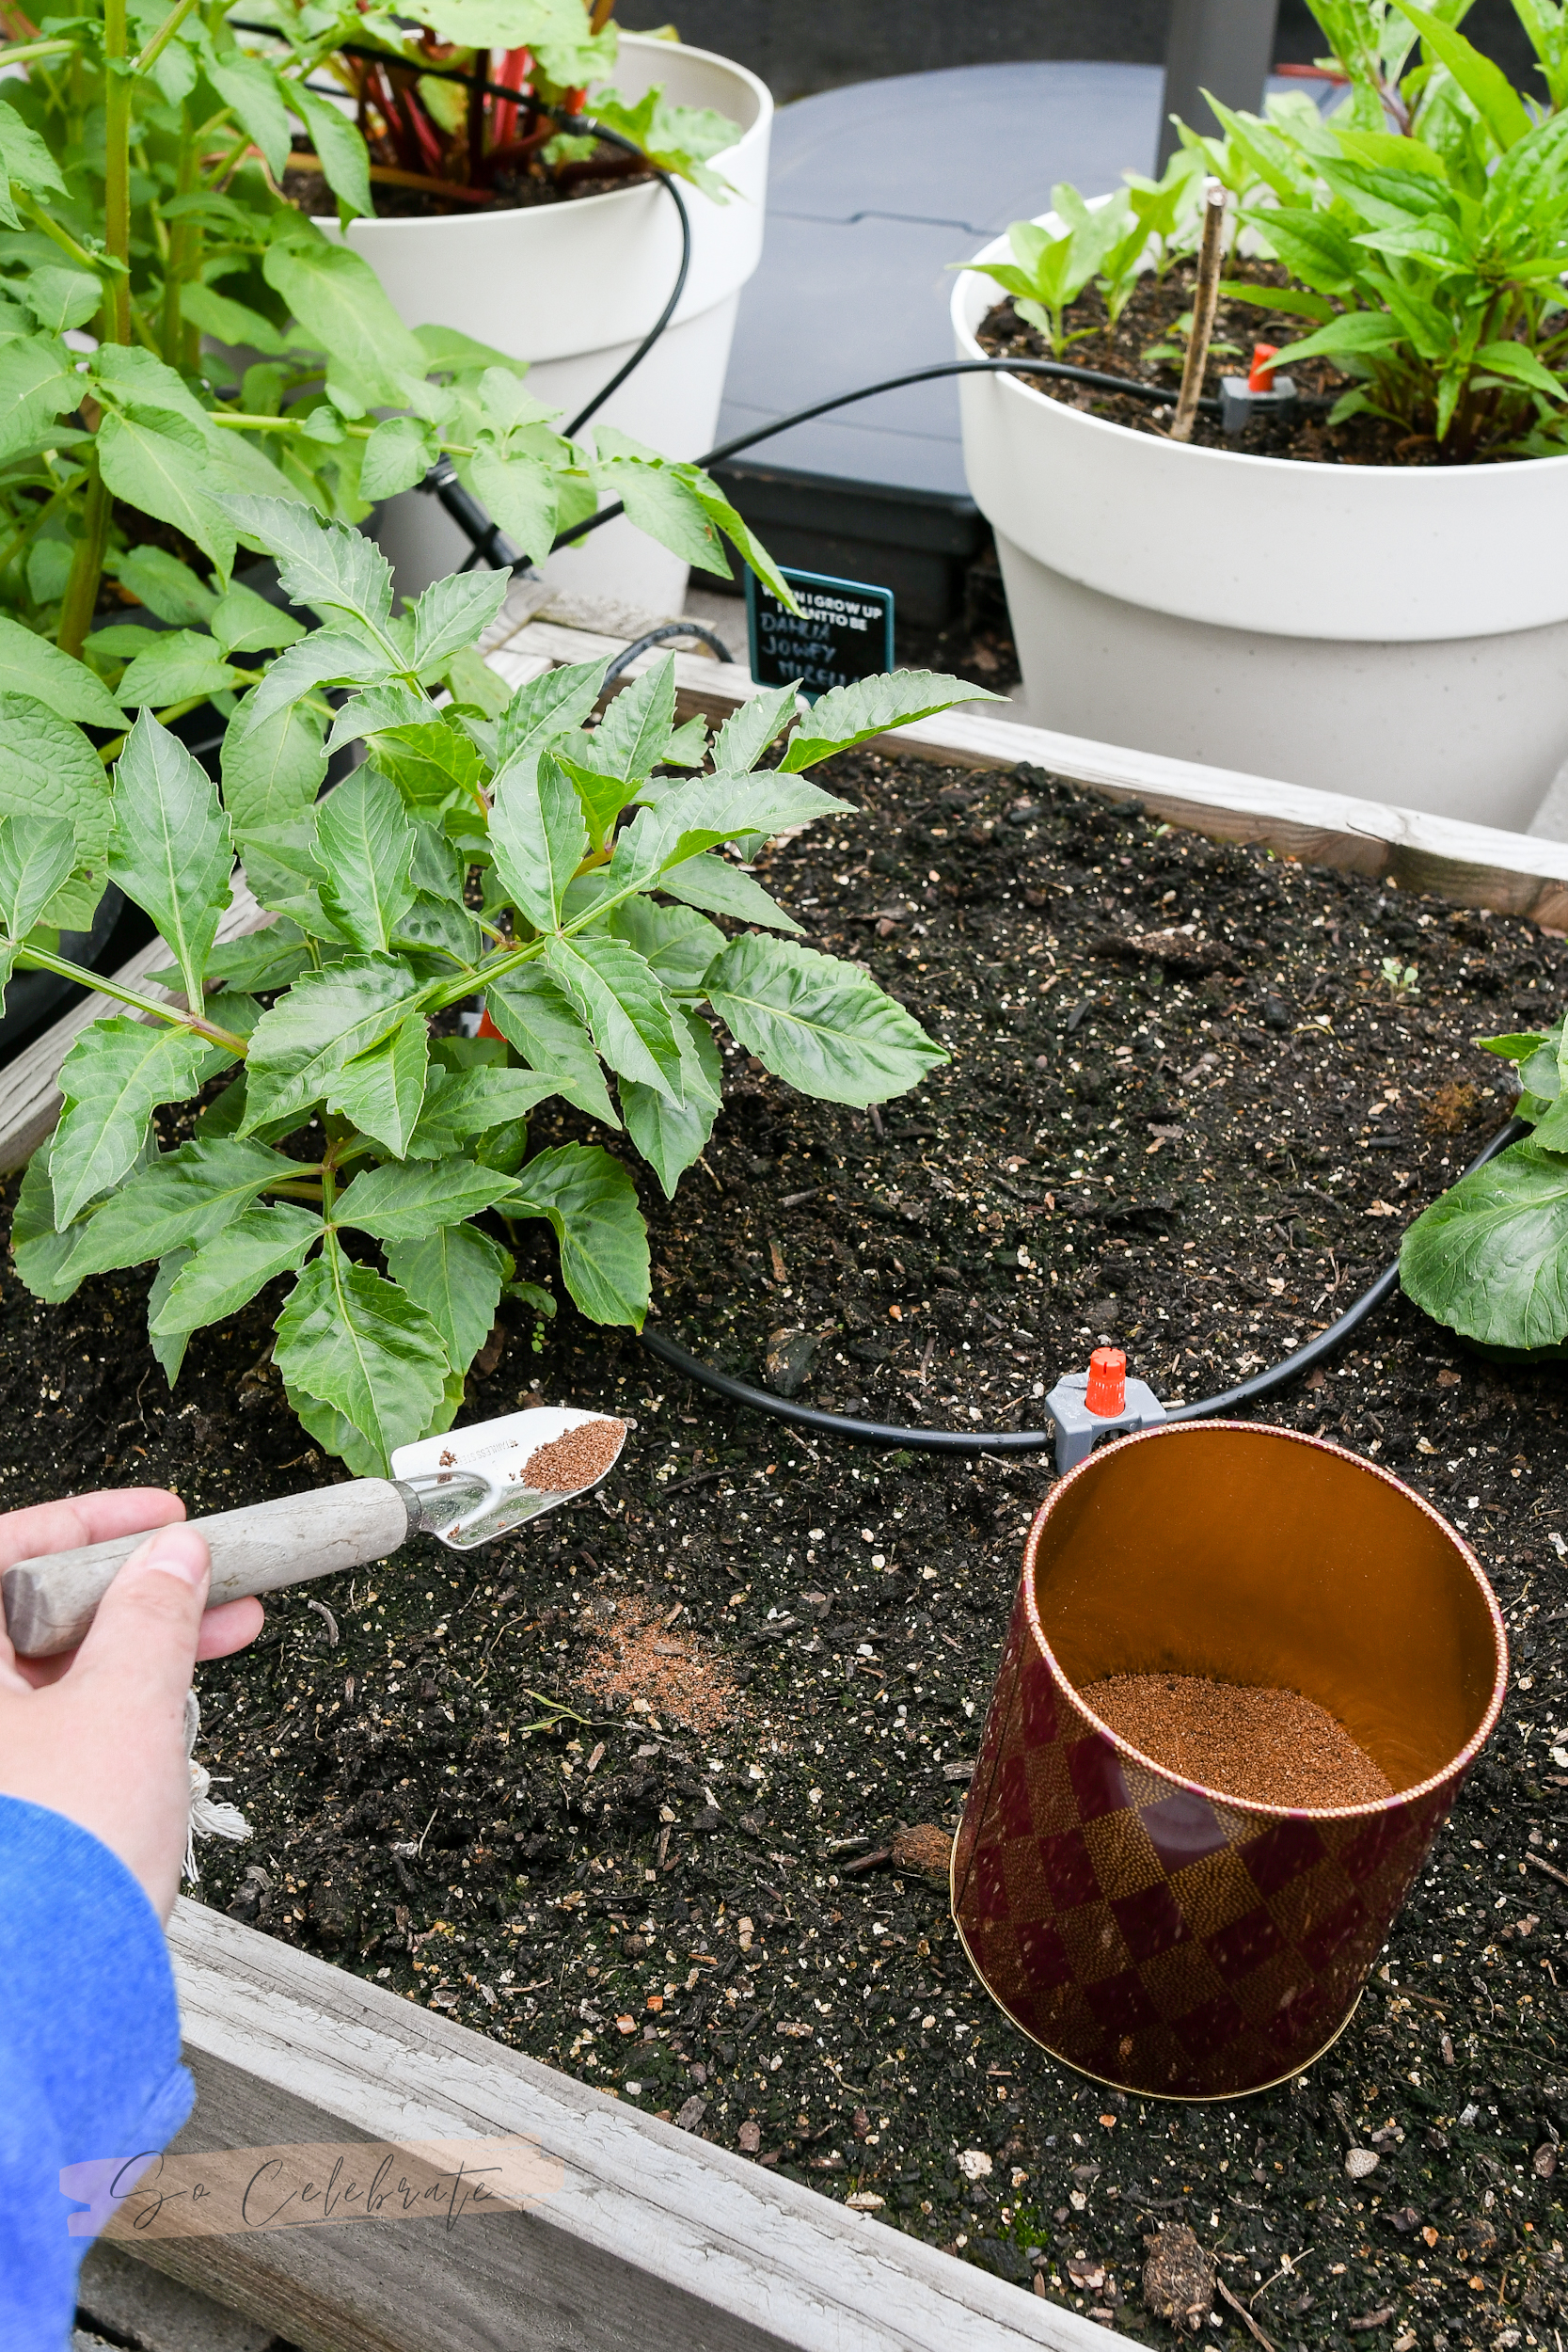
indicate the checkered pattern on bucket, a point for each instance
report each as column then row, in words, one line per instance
column 1151, row 1938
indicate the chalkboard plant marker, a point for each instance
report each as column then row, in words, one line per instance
column 842, row 632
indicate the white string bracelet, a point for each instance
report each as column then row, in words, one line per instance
column 208, row 1818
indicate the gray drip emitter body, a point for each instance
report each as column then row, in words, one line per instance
column 1077, row 1428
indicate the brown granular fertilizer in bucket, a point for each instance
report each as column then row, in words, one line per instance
column 576, row 1459
column 1271, row 1747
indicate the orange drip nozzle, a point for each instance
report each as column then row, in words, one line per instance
column 1107, row 1392
column 1260, row 373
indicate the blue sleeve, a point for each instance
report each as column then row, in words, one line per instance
column 90, row 2051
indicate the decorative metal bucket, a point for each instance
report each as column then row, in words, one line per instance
column 1155, row 1934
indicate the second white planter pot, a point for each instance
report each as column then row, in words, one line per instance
column 1397, row 632
column 573, row 288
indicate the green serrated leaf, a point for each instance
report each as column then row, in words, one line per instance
column 272, row 769
column 181, row 1198
column 249, row 87
column 48, row 769
column 545, row 709
column 672, row 1139
column 454, row 612
column 403, row 1203
column 344, row 158
column 823, row 1026
column 591, row 1204
column 42, row 1254
column 170, row 852
column 31, row 665
column 335, row 571
column 35, row 860
column 460, row 1104
column 455, row 1273
column 690, row 818
column 328, row 656
column 168, row 478
column 340, row 303
column 170, row 1353
column 36, row 386
column 713, row 882
column 226, row 1275
column 242, row 622
column 301, row 1045
column 616, row 993
column 679, row 944
column 365, row 843
column 536, row 1017
column 358, row 1345
column 382, row 1091
column 537, row 835
column 751, row 728
column 60, row 298
column 630, row 739
column 177, row 665
column 853, row 714
column 399, row 453
column 113, row 1079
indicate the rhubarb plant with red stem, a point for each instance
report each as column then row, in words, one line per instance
column 142, row 237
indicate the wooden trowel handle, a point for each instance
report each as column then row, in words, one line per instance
column 50, row 1601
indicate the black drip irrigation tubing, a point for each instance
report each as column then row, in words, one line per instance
column 710, row 638
column 888, row 1434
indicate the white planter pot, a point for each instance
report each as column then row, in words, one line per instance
column 573, row 288
column 1401, row 632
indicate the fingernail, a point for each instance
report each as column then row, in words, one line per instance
column 177, row 1551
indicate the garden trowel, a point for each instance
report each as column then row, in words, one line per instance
column 466, row 1487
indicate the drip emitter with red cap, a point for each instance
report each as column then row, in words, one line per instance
column 1086, row 1406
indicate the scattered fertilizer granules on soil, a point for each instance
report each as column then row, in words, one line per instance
column 639, row 1662
column 1271, row 1746
column 574, row 1460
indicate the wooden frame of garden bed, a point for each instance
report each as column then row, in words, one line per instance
column 654, row 2232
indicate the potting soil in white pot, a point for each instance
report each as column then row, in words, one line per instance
column 572, row 288
column 1399, row 632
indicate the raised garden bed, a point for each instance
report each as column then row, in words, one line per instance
column 1266, row 1036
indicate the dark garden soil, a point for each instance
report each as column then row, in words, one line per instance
column 514, row 191
column 601, row 1794
column 1146, row 327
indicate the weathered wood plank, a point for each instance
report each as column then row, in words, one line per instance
column 655, row 2236
column 29, row 1098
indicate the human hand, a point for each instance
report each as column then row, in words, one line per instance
column 98, row 1733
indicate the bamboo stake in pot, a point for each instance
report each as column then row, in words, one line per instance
column 1166, row 1937
column 1211, row 254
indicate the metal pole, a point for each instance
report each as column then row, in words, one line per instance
column 1226, row 46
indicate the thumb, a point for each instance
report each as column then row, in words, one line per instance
column 148, row 1622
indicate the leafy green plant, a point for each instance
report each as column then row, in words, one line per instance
column 1050, row 268
column 1399, row 979
column 142, row 241
column 488, row 848
column 473, row 97
column 1423, row 228
column 1490, row 1257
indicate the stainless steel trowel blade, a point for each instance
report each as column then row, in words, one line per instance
column 498, row 1452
